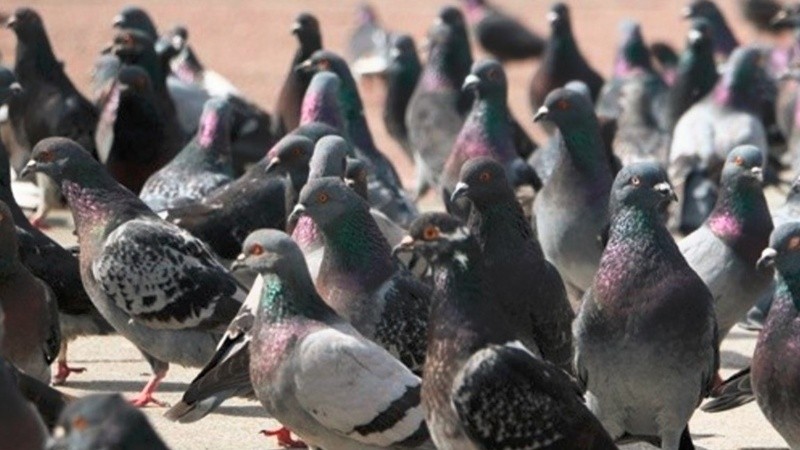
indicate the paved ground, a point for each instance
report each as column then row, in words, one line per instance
column 249, row 42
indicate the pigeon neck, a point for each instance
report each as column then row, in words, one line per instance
column 501, row 224
column 94, row 199
column 583, row 147
column 291, row 294
column 787, row 289
column 353, row 112
column 487, row 131
column 321, row 107
column 35, row 58
column 214, row 132
column 562, row 53
column 726, row 93
column 9, row 252
column 307, row 234
column 696, row 77
column 434, row 79
column 724, row 40
column 741, row 219
column 355, row 247
column 633, row 58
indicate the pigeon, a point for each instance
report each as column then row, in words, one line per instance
column 433, row 116
column 562, row 61
column 722, row 36
column 225, row 217
column 20, row 424
column 358, row 277
column 368, row 45
column 481, row 388
column 321, row 102
column 67, row 112
column 646, row 337
column 696, row 72
column 666, row 60
column 135, row 18
column 571, row 210
column 338, row 390
column 486, row 132
column 401, row 76
column 386, row 192
column 104, row 421
column 726, row 118
column 523, row 281
column 760, row 13
column 501, row 35
column 32, row 335
column 156, row 284
column 725, row 249
column 203, row 165
column 48, row 401
column 9, row 87
column 640, row 136
column 290, row 98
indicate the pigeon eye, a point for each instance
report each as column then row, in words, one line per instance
column 324, row 64
column 794, row 243
column 739, row 161
column 636, row 181
column 46, row 156
column 485, row 177
column 80, row 423
column 322, row 197
column 297, row 151
column 256, row 249
column 563, row 105
column 493, row 74
column 430, row 233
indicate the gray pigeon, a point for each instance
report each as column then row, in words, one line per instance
column 725, row 249
column 645, row 338
column 321, row 102
column 20, row 424
column 572, row 208
column 640, row 137
column 203, row 165
column 156, row 284
column 359, row 278
column 32, row 332
column 314, row 372
column 481, row 388
column 104, row 421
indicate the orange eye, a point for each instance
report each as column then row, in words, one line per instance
column 297, row 151
column 322, row 197
column 493, row 74
column 46, row 156
column 562, row 104
column 794, row 243
column 430, row 233
column 324, row 64
column 484, row 177
column 256, row 249
column 635, row 181
column 80, row 423
column 739, row 161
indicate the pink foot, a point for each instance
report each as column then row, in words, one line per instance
column 284, row 436
column 145, row 397
column 39, row 223
column 63, row 372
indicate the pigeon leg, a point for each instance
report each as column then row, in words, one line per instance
column 38, row 221
column 284, row 436
column 145, row 397
column 63, row 368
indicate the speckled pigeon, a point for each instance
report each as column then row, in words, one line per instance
column 481, row 388
column 337, row 389
column 725, row 249
column 522, row 280
column 20, row 424
column 572, row 208
column 646, row 337
column 156, row 284
column 203, row 165
column 358, row 276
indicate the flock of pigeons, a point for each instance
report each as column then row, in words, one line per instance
column 307, row 278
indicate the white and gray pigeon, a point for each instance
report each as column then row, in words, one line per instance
column 481, row 387
column 724, row 250
column 646, row 337
column 156, row 284
column 202, row 166
column 315, row 373
column 571, row 210
column 359, row 278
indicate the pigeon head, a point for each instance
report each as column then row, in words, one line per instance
column 403, row 49
column 26, row 23
column 579, row 87
column 8, row 85
column 321, row 100
column 135, row 18
column 699, row 35
column 329, row 158
column 356, row 176
column 787, row 17
column 744, row 81
column 452, row 17
column 215, row 126
column 130, row 44
column 60, row 159
column 322, row 60
column 306, row 28
column 327, row 201
column 270, row 251
column 642, row 186
column 488, row 79
column 290, row 153
column 483, row 181
column 743, row 166
column 702, row 8
column 173, row 42
column 365, row 14
column 559, row 19
column 783, row 252
column 563, row 107
column 438, row 237
column 633, row 53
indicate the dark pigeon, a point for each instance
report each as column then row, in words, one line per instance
column 341, row 391
column 48, row 401
column 287, row 111
column 722, row 36
column 20, row 424
column 725, row 249
column 481, row 388
column 522, row 281
column 666, row 60
column 104, row 421
column 401, row 76
column 571, row 210
column 176, row 313
column 761, row 14
column 358, row 276
column 644, row 381
column 135, row 18
column 202, row 166
column 562, row 61
column 501, row 35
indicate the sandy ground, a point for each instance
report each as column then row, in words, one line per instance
column 248, row 41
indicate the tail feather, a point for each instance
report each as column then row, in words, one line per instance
column 732, row 393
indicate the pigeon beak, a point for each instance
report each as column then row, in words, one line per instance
column 460, row 190
column 274, row 163
column 541, row 114
column 470, row 82
column 779, row 18
column 404, row 246
column 694, row 36
column 29, row 168
column 304, row 67
column 767, row 259
column 239, row 263
column 351, row 183
column 686, row 12
column 296, row 27
column 15, row 88
column 298, row 212
column 394, row 53
column 117, row 21
column 666, row 190
column 757, row 173
column 552, row 16
column 12, row 21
